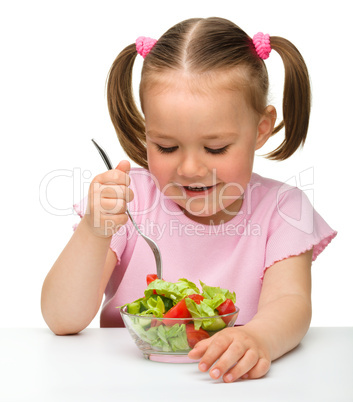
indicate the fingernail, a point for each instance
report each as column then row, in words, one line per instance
column 228, row 378
column 203, row 367
column 245, row 376
column 215, row 373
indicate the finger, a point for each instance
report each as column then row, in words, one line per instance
column 244, row 364
column 214, row 351
column 113, row 176
column 199, row 349
column 116, row 192
column 228, row 359
column 259, row 370
column 110, row 206
column 113, row 191
column 124, row 166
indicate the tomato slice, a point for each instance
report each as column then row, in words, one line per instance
column 178, row 311
column 150, row 278
column 195, row 335
column 156, row 323
column 226, row 307
column 196, row 298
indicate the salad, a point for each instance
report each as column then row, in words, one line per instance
column 173, row 317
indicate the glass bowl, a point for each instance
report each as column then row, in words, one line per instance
column 170, row 340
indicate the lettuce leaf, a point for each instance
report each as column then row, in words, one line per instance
column 175, row 291
column 167, row 289
column 155, row 307
column 211, row 292
column 186, row 287
column 166, row 339
column 207, row 308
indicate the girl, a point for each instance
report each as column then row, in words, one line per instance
column 203, row 94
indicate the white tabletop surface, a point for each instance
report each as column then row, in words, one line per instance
column 105, row 365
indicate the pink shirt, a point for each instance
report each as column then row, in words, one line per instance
column 276, row 221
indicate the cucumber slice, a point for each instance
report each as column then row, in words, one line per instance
column 215, row 324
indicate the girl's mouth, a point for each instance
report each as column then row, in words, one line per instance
column 198, row 190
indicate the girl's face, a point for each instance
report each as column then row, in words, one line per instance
column 200, row 147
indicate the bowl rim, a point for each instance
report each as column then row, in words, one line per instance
column 123, row 311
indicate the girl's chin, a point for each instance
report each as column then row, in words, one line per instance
column 212, row 214
column 205, row 205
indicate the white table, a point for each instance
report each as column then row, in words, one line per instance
column 105, row 365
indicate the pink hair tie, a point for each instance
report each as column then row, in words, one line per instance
column 262, row 45
column 144, row 45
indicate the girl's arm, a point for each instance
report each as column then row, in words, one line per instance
column 73, row 289
column 282, row 320
column 284, row 312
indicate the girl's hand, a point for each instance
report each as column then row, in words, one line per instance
column 234, row 353
column 107, row 199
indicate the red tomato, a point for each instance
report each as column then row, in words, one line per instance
column 178, row 311
column 156, row 323
column 196, row 298
column 150, row 278
column 225, row 308
column 195, row 335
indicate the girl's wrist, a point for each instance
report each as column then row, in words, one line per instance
column 86, row 228
column 258, row 333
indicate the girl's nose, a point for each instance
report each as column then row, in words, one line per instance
column 192, row 166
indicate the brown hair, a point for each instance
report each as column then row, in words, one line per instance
column 205, row 46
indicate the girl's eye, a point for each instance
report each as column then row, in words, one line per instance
column 164, row 150
column 218, row 151
column 169, row 150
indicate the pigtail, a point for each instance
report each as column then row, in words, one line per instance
column 126, row 118
column 296, row 99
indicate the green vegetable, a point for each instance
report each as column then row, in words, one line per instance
column 144, row 322
column 168, row 303
column 187, row 287
column 174, row 291
column 166, row 339
column 210, row 292
column 205, row 310
column 134, row 308
column 154, row 306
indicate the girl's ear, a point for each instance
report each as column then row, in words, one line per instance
column 265, row 126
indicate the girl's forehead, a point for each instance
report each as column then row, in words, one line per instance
column 180, row 90
column 202, row 102
column 198, row 84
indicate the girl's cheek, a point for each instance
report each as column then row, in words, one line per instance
column 159, row 171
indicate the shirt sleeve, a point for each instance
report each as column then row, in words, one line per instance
column 295, row 228
column 80, row 209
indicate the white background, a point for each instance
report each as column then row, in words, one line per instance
column 55, row 56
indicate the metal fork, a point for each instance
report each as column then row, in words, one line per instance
column 150, row 242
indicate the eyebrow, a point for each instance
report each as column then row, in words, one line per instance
column 206, row 136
